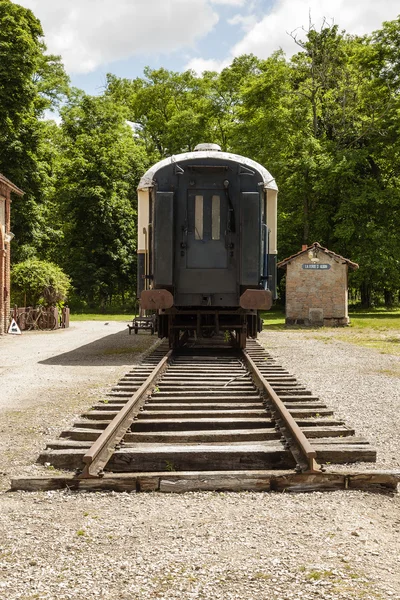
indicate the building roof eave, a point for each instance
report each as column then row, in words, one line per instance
column 11, row 185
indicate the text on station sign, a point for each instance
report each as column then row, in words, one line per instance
column 316, row 266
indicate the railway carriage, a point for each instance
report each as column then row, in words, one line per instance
column 207, row 244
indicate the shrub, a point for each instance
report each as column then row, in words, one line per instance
column 38, row 282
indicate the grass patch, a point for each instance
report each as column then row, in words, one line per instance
column 273, row 319
column 379, row 319
column 101, row 317
column 383, row 343
column 81, row 532
column 318, row 575
column 378, row 329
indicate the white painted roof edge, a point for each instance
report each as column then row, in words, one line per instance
column 147, row 181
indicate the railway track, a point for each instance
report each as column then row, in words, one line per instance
column 208, row 418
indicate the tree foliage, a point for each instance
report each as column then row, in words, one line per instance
column 100, row 166
column 31, row 81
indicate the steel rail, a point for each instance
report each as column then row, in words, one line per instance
column 101, row 451
column 299, row 445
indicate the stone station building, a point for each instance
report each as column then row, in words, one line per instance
column 316, row 287
column 6, row 188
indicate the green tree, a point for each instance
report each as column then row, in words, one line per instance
column 325, row 124
column 176, row 111
column 167, row 107
column 31, row 82
column 97, row 179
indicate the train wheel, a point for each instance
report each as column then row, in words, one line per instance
column 176, row 338
column 236, row 338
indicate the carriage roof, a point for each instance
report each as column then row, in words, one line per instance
column 147, row 181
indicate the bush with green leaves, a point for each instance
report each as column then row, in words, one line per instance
column 38, row 282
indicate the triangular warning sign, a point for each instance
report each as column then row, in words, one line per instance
column 14, row 329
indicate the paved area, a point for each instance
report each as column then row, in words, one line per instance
column 37, row 365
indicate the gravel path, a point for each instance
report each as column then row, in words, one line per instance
column 36, row 365
column 62, row 545
column 47, row 379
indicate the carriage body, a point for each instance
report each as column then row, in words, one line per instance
column 207, row 243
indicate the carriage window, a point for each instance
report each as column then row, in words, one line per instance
column 215, row 217
column 198, row 217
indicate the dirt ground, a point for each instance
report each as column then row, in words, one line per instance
column 64, row 545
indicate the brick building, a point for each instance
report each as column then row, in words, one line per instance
column 6, row 188
column 316, row 287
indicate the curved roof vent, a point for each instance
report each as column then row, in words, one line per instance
column 209, row 147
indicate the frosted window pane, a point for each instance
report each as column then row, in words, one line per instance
column 198, row 217
column 216, row 218
column 2, row 211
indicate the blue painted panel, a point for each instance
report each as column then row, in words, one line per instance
column 164, row 239
column 250, row 235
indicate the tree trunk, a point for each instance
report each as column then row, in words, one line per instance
column 389, row 298
column 365, row 291
column 306, row 221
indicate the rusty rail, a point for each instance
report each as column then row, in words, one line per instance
column 299, row 445
column 101, row 451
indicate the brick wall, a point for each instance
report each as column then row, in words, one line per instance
column 5, row 210
column 7, row 282
column 2, row 280
column 4, row 256
column 316, row 296
column 6, row 187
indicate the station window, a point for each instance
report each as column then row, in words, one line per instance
column 198, row 217
column 2, row 211
column 215, row 218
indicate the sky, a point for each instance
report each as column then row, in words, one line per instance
column 96, row 37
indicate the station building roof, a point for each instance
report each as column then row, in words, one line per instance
column 352, row 265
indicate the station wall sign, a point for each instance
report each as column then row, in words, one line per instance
column 316, row 266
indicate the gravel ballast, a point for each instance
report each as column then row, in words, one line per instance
column 64, row 545
column 361, row 385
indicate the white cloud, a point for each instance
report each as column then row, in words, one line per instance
column 229, row 2
column 91, row 33
column 199, row 65
column 271, row 33
column 247, row 22
column 286, row 16
column 289, row 16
